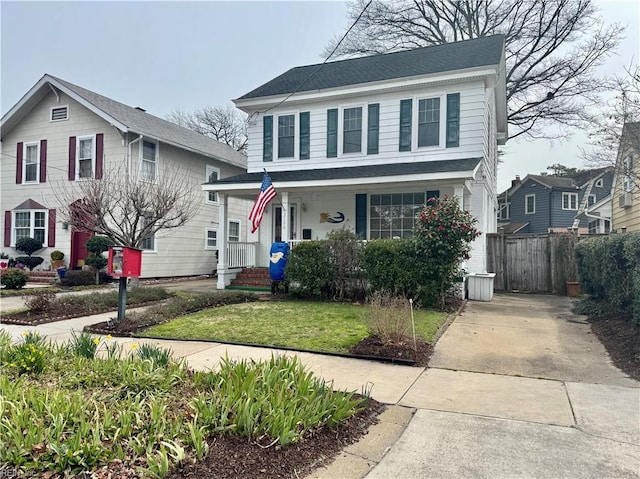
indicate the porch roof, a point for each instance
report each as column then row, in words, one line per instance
column 461, row 169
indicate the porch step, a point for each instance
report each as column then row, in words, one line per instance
column 253, row 277
column 41, row 277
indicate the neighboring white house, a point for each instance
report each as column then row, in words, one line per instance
column 363, row 143
column 59, row 132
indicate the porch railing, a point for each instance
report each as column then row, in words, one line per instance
column 241, row 254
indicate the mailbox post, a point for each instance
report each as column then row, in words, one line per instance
column 123, row 262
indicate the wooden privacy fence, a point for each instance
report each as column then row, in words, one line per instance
column 540, row 263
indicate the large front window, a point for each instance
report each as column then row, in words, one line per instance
column 286, row 136
column 30, row 224
column 31, row 163
column 569, row 201
column 86, row 155
column 394, row 215
column 352, row 134
column 429, row 122
column 148, row 166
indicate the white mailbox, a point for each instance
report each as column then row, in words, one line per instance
column 480, row 286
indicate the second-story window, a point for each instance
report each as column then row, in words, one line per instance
column 148, row 163
column 86, row 156
column 530, row 204
column 286, row 136
column 429, row 122
column 352, row 134
column 30, row 170
column 504, row 211
column 569, row 201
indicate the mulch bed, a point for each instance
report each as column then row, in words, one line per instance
column 621, row 340
column 403, row 349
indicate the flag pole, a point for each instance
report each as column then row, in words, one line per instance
column 277, row 196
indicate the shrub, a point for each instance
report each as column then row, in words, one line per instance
column 30, row 261
column 40, row 302
column 78, row 278
column 28, row 245
column 345, row 250
column 98, row 244
column 57, row 255
column 104, row 277
column 443, row 234
column 309, row 267
column 609, row 271
column 13, row 278
column 390, row 317
column 390, row 265
column 96, row 261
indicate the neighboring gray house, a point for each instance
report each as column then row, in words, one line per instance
column 363, row 143
column 62, row 133
column 542, row 204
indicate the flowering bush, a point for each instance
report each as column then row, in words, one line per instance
column 443, row 234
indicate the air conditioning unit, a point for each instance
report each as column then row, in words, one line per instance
column 625, row 200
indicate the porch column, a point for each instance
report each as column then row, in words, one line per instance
column 284, row 197
column 222, row 241
column 458, row 192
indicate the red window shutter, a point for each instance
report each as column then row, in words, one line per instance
column 51, row 234
column 43, row 161
column 72, row 158
column 99, row 155
column 19, row 163
column 7, row 228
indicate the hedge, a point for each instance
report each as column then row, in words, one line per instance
column 609, row 271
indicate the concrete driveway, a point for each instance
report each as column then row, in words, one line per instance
column 519, row 387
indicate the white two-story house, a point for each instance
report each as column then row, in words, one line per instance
column 363, row 143
column 59, row 134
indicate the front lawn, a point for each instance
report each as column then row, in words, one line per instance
column 331, row 327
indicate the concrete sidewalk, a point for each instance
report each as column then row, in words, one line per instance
column 516, row 388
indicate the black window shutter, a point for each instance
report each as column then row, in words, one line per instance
column 332, row 133
column 267, row 139
column 405, row 125
column 373, row 123
column 453, row 120
column 431, row 194
column 305, row 135
column 361, row 215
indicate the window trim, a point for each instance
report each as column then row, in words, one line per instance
column 566, row 194
column 599, row 183
column 415, row 129
column 208, row 170
column 32, row 227
column 526, row 204
column 93, row 157
column 501, row 208
column 376, row 232
column 595, row 200
column 233, row 220
column 24, row 162
column 58, row 107
column 276, row 136
column 207, row 230
column 141, row 159
column 364, row 120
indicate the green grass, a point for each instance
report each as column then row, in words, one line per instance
column 330, row 327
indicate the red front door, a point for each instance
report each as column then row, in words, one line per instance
column 78, row 246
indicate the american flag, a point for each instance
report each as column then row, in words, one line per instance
column 267, row 193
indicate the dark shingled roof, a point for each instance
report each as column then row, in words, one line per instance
column 370, row 171
column 420, row 61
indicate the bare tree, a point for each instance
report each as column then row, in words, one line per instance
column 616, row 128
column 552, row 47
column 223, row 123
column 127, row 209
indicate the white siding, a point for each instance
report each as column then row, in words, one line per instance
column 472, row 133
column 178, row 252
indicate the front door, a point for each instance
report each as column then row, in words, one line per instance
column 277, row 223
column 79, row 251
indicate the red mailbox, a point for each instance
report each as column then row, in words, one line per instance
column 124, row 261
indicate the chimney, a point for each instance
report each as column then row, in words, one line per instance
column 515, row 182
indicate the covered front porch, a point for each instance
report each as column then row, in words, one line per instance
column 373, row 202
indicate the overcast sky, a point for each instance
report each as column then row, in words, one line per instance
column 167, row 55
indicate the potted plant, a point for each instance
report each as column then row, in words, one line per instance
column 57, row 259
column 4, row 260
